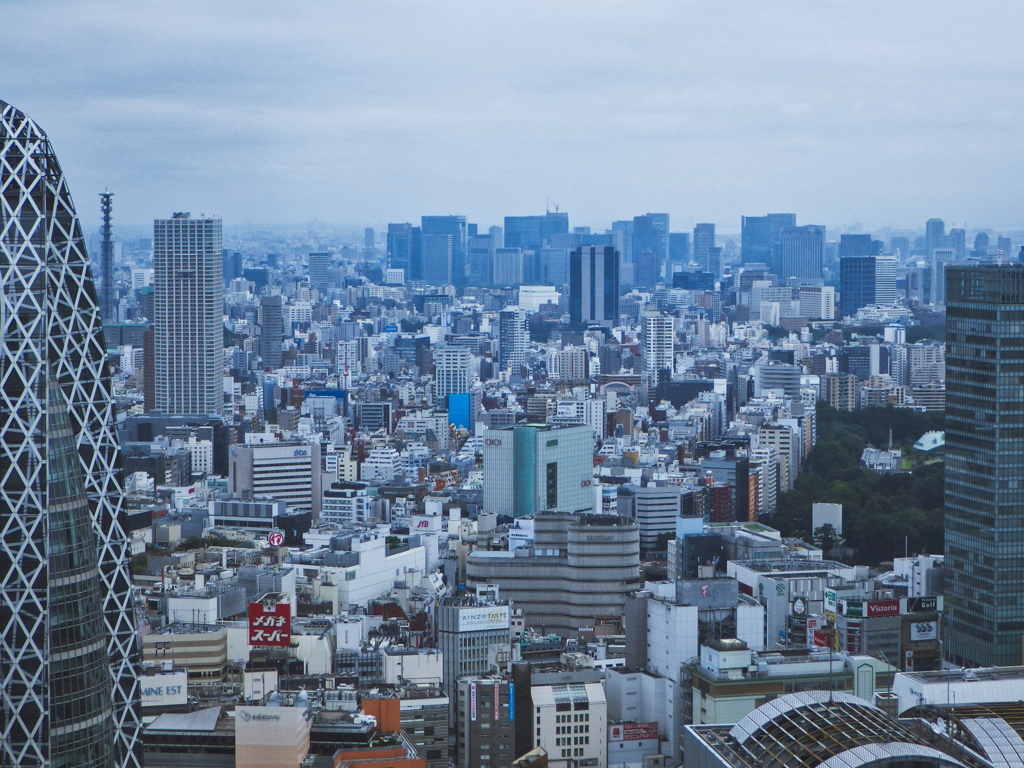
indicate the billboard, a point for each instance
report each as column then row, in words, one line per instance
column 920, row 604
column 924, row 630
column 492, row 617
column 831, row 602
column 166, row 690
column 472, row 701
column 708, row 593
column 632, row 731
column 270, row 624
column 883, row 608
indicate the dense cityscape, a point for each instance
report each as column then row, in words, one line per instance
column 511, row 493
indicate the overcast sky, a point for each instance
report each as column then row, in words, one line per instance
column 885, row 113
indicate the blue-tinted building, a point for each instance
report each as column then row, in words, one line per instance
column 458, row 229
column 856, row 283
column 984, row 499
column 760, row 237
column 460, row 410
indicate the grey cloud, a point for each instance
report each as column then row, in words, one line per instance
column 366, row 112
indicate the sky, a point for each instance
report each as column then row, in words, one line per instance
column 361, row 113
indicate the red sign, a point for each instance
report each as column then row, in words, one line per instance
column 275, row 539
column 821, row 639
column 270, row 624
column 632, row 731
column 884, row 608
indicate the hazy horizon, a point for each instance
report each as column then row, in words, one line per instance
column 361, row 114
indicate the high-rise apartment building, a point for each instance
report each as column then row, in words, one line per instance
column 594, row 286
column 513, row 338
column 984, row 505
column 659, row 343
column 801, row 252
column 68, row 649
column 272, row 330
column 189, row 328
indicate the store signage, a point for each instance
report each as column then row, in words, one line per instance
column 275, row 539
column 883, row 608
column 495, row 617
column 270, row 624
column 632, row 731
column 924, row 630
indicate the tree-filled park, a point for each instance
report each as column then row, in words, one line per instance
column 884, row 515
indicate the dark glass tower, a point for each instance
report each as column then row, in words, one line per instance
column 67, row 634
column 594, row 287
column 984, row 567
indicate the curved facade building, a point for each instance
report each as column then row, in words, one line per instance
column 67, row 633
column 577, row 575
column 815, row 729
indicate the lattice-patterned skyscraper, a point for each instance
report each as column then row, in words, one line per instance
column 67, row 635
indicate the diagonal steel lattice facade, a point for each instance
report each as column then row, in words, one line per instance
column 52, row 347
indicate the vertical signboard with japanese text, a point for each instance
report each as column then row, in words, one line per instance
column 270, row 624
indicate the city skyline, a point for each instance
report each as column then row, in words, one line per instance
column 837, row 113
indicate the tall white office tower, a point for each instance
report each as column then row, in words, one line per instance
column 451, row 372
column 68, row 647
column 659, row 343
column 189, row 315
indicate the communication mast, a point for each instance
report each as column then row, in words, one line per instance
column 107, row 265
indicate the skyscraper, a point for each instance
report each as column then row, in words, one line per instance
column 857, row 275
column 399, row 246
column 512, row 338
column 934, row 235
column 984, row 507
column 650, row 233
column 508, row 266
column 594, row 286
column 678, row 251
column 659, row 343
column 67, row 637
column 760, row 238
column 437, row 259
column 319, row 264
column 703, row 242
column 858, row 245
column 272, row 330
column 457, row 227
column 451, row 365
column 481, row 258
column 801, row 252
column 189, row 324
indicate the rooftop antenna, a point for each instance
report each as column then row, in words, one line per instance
column 107, row 256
